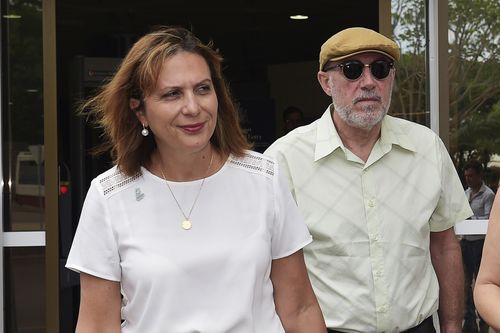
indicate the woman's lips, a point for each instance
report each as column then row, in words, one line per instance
column 192, row 128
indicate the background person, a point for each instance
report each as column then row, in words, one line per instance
column 487, row 288
column 197, row 233
column 480, row 199
column 380, row 196
column 293, row 117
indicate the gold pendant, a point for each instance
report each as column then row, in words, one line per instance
column 186, row 224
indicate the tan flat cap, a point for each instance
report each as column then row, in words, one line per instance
column 353, row 41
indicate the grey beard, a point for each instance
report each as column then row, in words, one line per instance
column 367, row 120
column 370, row 116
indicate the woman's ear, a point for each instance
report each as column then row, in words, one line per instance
column 134, row 104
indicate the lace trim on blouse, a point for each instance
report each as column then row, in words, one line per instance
column 116, row 180
column 254, row 163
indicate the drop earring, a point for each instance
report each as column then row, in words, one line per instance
column 145, row 131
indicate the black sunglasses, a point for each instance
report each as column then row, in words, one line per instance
column 354, row 69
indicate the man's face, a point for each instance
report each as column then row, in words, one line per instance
column 363, row 102
column 472, row 178
column 293, row 120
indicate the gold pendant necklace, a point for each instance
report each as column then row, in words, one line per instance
column 186, row 223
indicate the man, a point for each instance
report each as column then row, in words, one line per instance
column 481, row 200
column 380, row 196
column 292, row 118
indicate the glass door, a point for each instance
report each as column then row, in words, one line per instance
column 23, row 285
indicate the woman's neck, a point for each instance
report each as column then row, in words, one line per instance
column 180, row 166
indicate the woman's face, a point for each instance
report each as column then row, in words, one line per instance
column 182, row 110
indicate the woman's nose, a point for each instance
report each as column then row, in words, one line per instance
column 191, row 105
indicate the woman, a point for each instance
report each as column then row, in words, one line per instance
column 190, row 231
column 487, row 289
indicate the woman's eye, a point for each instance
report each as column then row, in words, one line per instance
column 171, row 94
column 204, row 89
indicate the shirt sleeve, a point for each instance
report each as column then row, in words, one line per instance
column 488, row 203
column 275, row 152
column 94, row 250
column 453, row 206
column 290, row 232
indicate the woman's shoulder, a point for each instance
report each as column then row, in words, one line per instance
column 114, row 180
column 254, row 162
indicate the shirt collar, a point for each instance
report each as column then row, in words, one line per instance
column 328, row 139
column 393, row 133
column 476, row 196
column 481, row 189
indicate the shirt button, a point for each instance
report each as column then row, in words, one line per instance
column 371, row 203
column 382, row 308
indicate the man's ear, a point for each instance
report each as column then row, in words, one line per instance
column 324, row 81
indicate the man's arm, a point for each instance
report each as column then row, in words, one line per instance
column 447, row 261
column 488, row 204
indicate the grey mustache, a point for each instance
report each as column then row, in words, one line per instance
column 376, row 97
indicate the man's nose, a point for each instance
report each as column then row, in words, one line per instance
column 367, row 79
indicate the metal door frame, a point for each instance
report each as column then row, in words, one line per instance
column 49, row 237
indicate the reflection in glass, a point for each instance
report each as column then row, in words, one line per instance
column 25, row 299
column 409, row 31
column 22, row 116
column 474, row 69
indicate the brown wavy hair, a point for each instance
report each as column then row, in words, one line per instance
column 137, row 77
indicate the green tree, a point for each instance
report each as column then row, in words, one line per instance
column 408, row 22
column 474, row 68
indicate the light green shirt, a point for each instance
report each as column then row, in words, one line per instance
column 369, row 262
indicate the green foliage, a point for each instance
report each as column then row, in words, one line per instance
column 474, row 68
column 408, row 99
column 408, row 19
column 479, row 135
column 474, row 29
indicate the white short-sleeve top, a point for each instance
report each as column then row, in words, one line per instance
column 212, row 278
